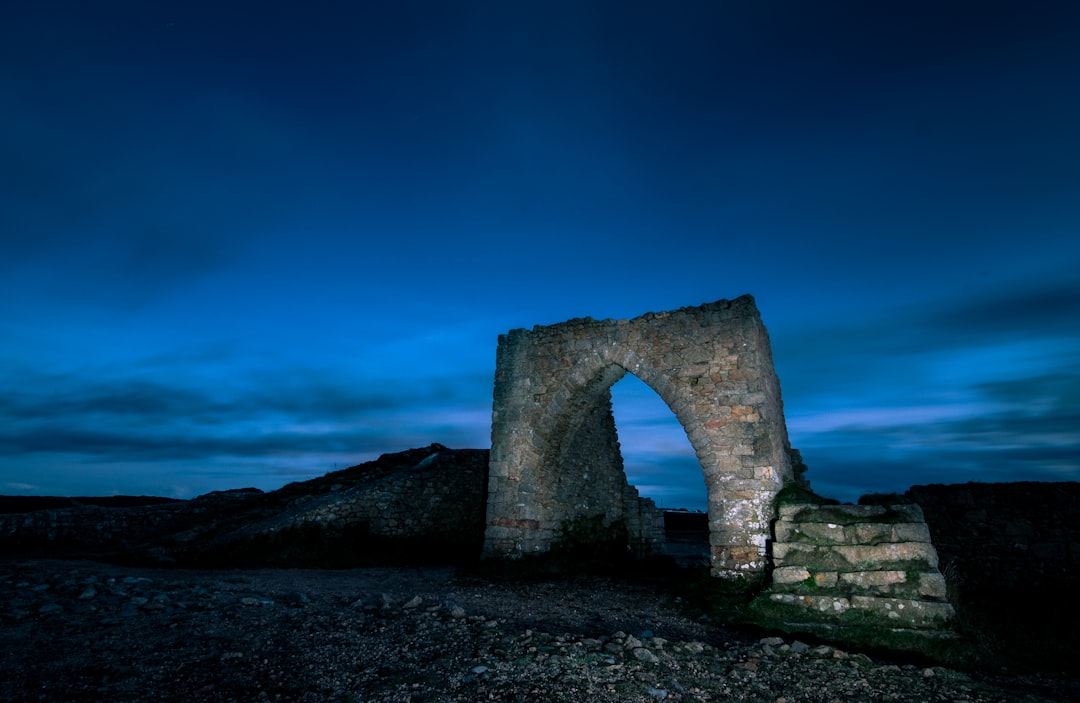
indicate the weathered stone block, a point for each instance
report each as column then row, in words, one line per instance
column 790, row 574
column 813, row 557
column 890, row 553
column 832, row 605
column 826, row 579
column 818, row 533
column 906, row 611
column 871, row 533
column 879, row 582
column 911, row 532
column 932, row 585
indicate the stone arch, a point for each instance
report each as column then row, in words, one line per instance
column 555, row 456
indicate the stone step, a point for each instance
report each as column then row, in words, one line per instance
column 867, row 533
column 847, row 557
column 923, row 584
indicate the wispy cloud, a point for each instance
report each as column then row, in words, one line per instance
column 980, row 389
column 304, row 412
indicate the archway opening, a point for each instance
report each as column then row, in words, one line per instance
column 661, row 463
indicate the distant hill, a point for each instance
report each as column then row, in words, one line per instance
column 421, row 505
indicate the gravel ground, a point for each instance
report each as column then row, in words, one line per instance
column 85, row 631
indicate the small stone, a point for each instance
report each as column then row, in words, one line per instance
column 478, row 669
column 88, row 593
column 771, row 641
column 656, row 692
column 644, row 655
column 928, row 673
column 50, row 608
column 416, row 602
column 297, row 598
column 458, row 612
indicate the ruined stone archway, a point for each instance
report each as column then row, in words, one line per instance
column 555, row 456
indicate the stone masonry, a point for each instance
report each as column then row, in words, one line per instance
column 436, row 501
column 858, row 563
column 555, row 458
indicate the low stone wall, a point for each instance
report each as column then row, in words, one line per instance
column 440, row 498
column 860, row 564
column 1004, row 541
column 97, row 531
column 417, row 506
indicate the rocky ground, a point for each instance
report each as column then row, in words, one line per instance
column 86, row 631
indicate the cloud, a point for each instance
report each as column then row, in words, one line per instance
column 980, row 388
column 20, row 487
column 1047, row 309
column 301, row 411
column 1026, row 429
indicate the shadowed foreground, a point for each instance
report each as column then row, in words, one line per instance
column 85, row 631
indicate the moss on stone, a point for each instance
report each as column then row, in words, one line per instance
column 794, row 494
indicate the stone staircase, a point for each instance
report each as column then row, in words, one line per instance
column 856, row 565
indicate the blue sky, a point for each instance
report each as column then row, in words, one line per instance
column 247, row 243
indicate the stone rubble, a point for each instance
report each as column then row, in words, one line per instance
column 82, row 631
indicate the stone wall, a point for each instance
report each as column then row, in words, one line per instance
column 103, row 531
column 554, row 457
column 859, row 564
column 1006, row 542
column 435, row 507
column 417, row 506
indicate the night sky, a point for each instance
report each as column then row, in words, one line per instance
column 243, row 244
